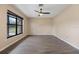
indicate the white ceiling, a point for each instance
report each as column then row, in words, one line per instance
column 28, row 9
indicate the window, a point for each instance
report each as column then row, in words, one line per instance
column 14, row 24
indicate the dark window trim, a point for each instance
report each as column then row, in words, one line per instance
column 14, row 16
column 12, row 13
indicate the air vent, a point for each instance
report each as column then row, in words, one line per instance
column 40, row 5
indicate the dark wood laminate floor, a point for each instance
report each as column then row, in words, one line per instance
column 43, row 44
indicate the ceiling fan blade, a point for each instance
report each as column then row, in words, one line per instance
column 36, row 11
column 45, row 12
column 42, row 12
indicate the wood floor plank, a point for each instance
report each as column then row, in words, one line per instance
column 43, row 44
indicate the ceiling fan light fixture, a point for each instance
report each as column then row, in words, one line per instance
column 41, row 14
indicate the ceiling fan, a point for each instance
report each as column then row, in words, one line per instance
column 41, row 12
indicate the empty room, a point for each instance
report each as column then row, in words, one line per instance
column 39, row 28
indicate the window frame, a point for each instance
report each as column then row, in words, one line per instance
column 9, row 14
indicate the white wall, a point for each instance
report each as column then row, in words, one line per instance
column 41, row 26
column 66, row 26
